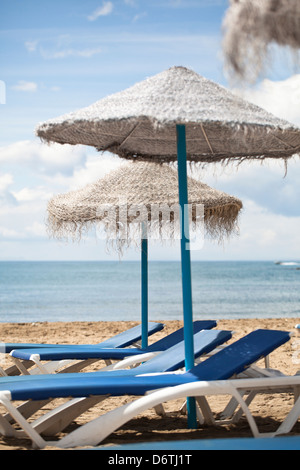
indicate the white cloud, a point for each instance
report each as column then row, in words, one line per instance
column 62, row 54
column 2, row 92
column 48, row 170
column 104, row 10
column 56, row 166
column 267, row 233
column 23, row 210
column 139, row 16
column 264, row 183
column 9, row 233
column 194, row 3
column 96, row 167
column 37, row 229
column 282, row 98
column 6, row 197
column 31, row 194
column 23, row 224
column 24, row 219
column 31, row 45
column 25, row 86
column 5, row 181
column 43, row 159
column 63, row 46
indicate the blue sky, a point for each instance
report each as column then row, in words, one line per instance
column 59, row 56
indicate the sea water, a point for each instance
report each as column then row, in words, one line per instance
column 90, row 291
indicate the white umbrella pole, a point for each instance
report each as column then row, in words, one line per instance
column 186, row 265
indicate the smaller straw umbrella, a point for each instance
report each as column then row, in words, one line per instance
column 146, row 189
column 251, row 26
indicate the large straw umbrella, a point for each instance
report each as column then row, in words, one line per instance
column 177, row 115
column 140, row 122
column 138, row 201
column 251, row 26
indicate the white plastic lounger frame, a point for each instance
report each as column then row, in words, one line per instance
column 252, row 372
column 55, row 421
column 100, row 428
column 97, row 430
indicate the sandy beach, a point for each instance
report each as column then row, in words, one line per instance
column 148, row 426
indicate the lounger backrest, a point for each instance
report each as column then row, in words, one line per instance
column 235, row 358
column 177, row 336
column 122, row 340
column 128, row 337
column 174, row 358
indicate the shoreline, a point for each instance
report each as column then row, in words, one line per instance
column 148, row 426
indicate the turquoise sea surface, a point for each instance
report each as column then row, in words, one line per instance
column 90, row 291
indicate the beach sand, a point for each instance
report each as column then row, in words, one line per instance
column 148, row 426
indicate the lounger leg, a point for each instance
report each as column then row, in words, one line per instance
column 13, row 370
column 5, row 427
column 28, row 408
column 290, row 420
column 37, row 440
column 230, row 412
column 75, row 366
column 238, row 414
column 159, row 410
column 20, row 366
column 238, row 396
column 49, row 367
column 285, row 426
column 207, row 415
column 58, row 419
column 200, row 418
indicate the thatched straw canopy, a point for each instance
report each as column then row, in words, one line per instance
column 250, row 26
column 140, row 122
column 139, row 192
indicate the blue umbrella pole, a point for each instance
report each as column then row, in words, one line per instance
column 144, row 284
column 186, row 266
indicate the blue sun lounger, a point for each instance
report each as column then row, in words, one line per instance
column 122, row 340
column 172, row 359
column 221, row 366
column 91, row 353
